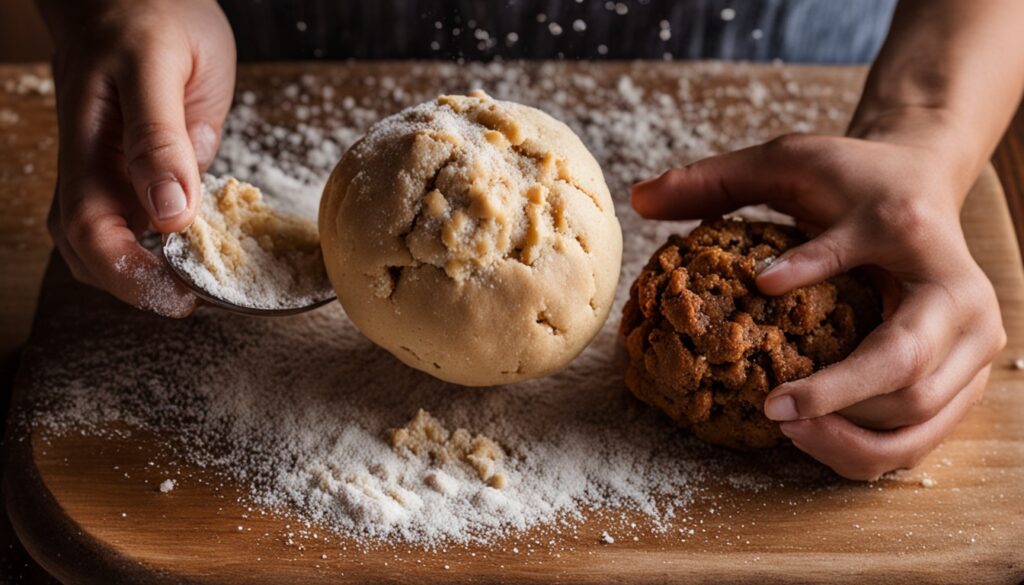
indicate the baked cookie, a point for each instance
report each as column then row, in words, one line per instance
column 706, row 347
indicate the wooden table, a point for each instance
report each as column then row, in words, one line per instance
column 26, row 179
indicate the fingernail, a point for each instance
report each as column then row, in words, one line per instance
column 204, row 143
column 167, row 198
column 789, row 429
column 642, row 184
column 781, row 408
column 773, row 266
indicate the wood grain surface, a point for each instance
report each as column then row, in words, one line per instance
column 87, row 521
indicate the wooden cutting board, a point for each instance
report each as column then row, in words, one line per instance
column 88, row 509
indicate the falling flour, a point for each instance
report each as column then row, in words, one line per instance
column 318, row 423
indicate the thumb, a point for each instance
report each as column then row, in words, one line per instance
column 161, row 158
column 832, row 252
column 767, row 173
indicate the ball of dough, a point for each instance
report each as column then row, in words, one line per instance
column 474, row 239
column 706, row 347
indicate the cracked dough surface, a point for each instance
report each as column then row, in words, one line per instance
column 474, row 239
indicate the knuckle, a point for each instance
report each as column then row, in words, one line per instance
column 79, row 229
column 917, row 404
column 982, row 318
column 912, row 352
column 912, row 460
column 790, row 145
column 908, row 220
column 999, row 340
column 810, row 404
column 863, row 465
column 146, row 140
column 868, row 461
column 674, row 176
column 992, row 322
column 827, row 251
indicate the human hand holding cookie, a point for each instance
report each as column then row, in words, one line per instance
column 904, row 388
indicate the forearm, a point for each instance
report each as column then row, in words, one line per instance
column 948, row 79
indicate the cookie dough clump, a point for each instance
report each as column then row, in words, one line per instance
column 242, row 250
column 425, row 436
column 706, row 347
column 474, row 239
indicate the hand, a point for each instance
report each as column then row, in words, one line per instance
column 142, row 91
column 893, row 205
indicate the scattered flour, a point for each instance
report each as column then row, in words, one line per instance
column 8, row 117
column 159, row 292
column 299, row 410
column 29, row 83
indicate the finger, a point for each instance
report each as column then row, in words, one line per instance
column 832, row 252
column 205, row 111
column 922, row 400
column 53, row 225
column 98, row 232
column 158, row 148
column 205, row 141
column 863, row 454
column 898, row 353
column 769, row 173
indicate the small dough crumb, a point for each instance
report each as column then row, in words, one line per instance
column 1018, row 364
column 425, row 436
column 167, row 485
column 928, row 482
column 607, row 538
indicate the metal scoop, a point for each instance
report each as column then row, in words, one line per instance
column 211, row 299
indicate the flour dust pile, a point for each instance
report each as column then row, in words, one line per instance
column 315, row 420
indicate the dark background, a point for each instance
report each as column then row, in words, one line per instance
column 821, row 31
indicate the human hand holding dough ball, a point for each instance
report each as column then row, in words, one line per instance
column 474, row 239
